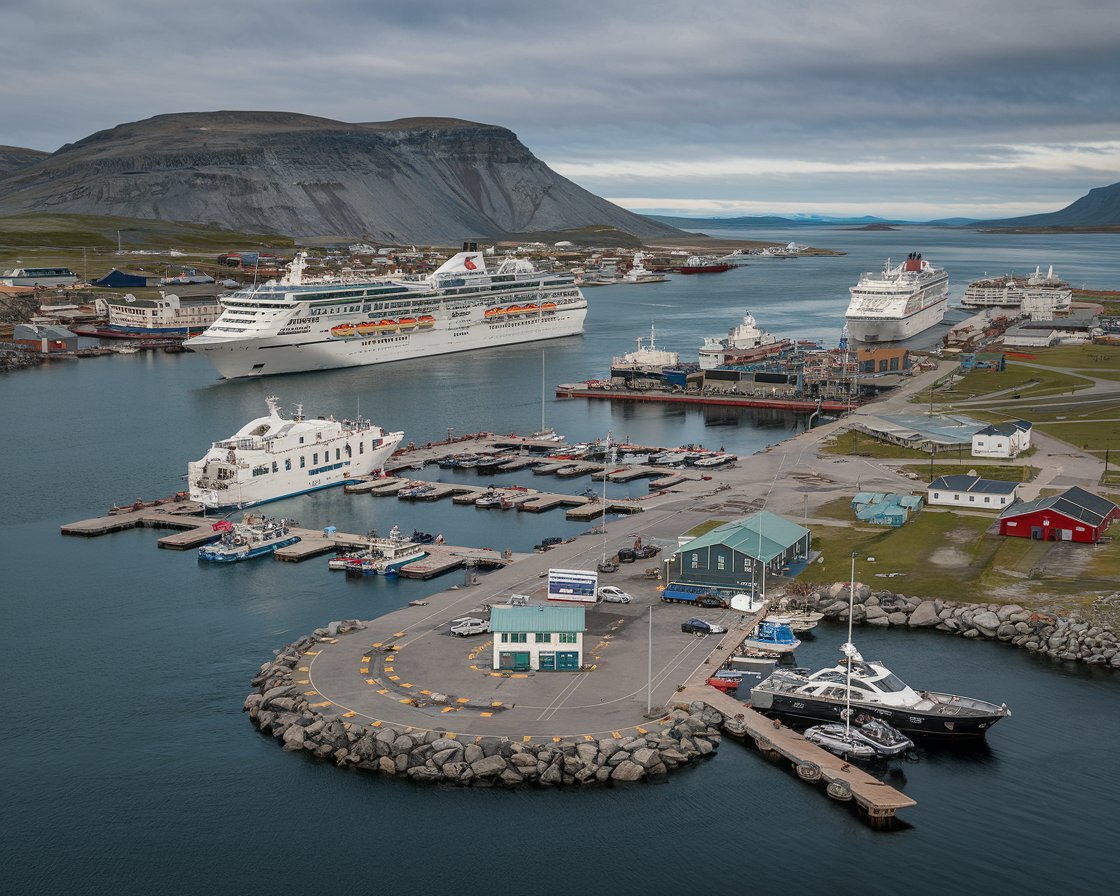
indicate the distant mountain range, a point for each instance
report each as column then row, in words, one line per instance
column 415, row 180
column 1100, row 207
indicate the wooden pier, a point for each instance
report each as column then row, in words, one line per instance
column 844, row 781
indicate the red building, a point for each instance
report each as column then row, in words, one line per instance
column 1074, row 515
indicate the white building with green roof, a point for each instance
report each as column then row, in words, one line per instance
column 734, row 554
column 537, row 638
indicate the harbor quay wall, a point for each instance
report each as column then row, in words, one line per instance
column 277, row 706
column 1065, row 637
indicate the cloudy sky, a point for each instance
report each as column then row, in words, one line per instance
column 981, row 108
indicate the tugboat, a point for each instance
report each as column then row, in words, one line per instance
column 248, row 539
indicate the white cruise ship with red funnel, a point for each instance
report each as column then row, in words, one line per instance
column 897, row 302
column 291, row 325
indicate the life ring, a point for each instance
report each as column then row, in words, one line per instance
column 237, row 539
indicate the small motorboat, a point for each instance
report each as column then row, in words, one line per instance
column 489, row 499
column 841, row 740
column 726, row 680
column 774, row 635
column 419, row 537
column 883, row 738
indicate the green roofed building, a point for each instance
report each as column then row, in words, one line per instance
column 538, row 637
column 734, row 555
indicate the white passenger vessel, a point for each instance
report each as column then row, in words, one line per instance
column 271, row 458
column 897, row 302
column 290, row 325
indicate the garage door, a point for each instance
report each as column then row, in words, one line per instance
column 514, row 662
column 548, row 662
column 567, row 660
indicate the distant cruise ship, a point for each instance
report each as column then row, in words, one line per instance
column 897, row 302
column 290, row 326
column 1046, row 290
column 271, row 458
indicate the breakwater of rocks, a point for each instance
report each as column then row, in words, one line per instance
column 1066, row 637
column 278, row 707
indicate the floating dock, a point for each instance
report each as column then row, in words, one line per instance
column 844, row 781
column 797, row 405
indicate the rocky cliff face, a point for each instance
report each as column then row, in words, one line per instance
column 411, row 180
column 12, row 158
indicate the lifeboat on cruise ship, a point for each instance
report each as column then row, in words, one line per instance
column 531, row 308
column 343, row 330
column 426, row 320
column 385, row 324
column 548, row 307
column 367, row 327
column 493, row 312
column 408, row 323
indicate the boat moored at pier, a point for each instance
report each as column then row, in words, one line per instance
column 898, row 302
column 254, row 537
column 271, row 458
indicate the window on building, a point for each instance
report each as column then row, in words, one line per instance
column 338, row 454
column 543, row 637
column 275, row 467
column 315, row 458
column 301, row 440
column 287, row 463
column 505, row 637
column 937, row 495
column 987, row 500
column 567, row 638
column 361, row 447
column 302, row 461
column 519, row 637
column 720, row 562
column 972, row 499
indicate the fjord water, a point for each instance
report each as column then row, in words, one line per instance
column 129, row 768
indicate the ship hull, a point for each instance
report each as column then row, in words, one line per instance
column 895, row 329
column 910, row 722
column 262, row 356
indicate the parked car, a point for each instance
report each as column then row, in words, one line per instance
column 701, row 627
column 612, row 595
column 646, row 551
column 468, row 625
column 626, row 555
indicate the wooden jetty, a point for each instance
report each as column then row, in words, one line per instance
column 844, row 781
column 383, row 485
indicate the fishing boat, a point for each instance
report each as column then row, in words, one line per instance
column 801, row 619
column 253, row 537
column 488, row 499
column 275, row 457
column 772, row 635
column 386, row 556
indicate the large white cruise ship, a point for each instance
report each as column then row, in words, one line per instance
column 897, row 302
column 1037, row 293
column 271, row 458
column 288, row 325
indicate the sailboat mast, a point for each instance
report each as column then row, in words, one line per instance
column 848, row 651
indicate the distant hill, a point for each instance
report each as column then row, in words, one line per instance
column 13, row 158
column 1100, row 207
column 769, row 221
column 422, row 180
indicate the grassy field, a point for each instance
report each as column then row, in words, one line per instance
column 87, row 244
column 1002, row 472
column 1027, row 382
column 950, row 555
column 852, row 442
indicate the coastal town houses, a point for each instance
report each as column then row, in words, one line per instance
column 537, row 638
column 733, row 555
column 1074, row 515
column 1002, row 439
column 970, row 491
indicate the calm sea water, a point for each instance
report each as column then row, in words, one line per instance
column 128, row 767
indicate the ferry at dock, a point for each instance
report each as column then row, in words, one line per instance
column 289, row 325
column 271, row 458
column 897, row 302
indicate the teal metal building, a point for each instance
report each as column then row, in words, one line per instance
column 537, row 638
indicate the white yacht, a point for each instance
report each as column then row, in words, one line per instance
column 291, row 325
column 746, row 335
column 1037, row 293
column 638, row 272
column 271, row 458
column 897, row 302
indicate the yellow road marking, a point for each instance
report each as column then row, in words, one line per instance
column 311, row 693
column 377, row 723
column 426, row 692
column 390, row 657
column 405, row 684
column 365, row 659
column 519, row 675
column 463, row 700
column 495, row 674
column 303, row 681
column 588, row 737
column 318, row 705
column 394, row 678
column 496, row 703
column 556, row 740
column 616, row 734
column 383, row 691
column 407, row 700
column 349, row 715
column 378, row 644
column 486, row 715
column 311, row 653
column 304, row 668
column 399, row 634
column 641, row 729
column 451, row 736
column 446, row 709
column 364, row 670
column 388, row 669
column 371, row 681
column 526, row 738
